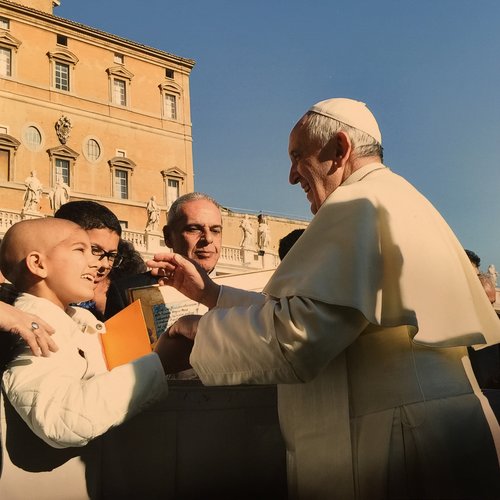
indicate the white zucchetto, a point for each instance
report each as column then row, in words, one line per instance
column 352, row 113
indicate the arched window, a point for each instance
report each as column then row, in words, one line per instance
column 92, row 149
column 32, row 137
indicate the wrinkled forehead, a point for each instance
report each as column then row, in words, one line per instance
column 299, row 135
column 299, row 126
column 202, row 212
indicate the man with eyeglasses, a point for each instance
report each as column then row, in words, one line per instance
column 104, row 231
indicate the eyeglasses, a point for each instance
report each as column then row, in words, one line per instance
column 113, row 258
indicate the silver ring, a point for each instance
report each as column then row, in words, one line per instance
column 34, row 325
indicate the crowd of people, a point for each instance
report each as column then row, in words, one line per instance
column 373, row 349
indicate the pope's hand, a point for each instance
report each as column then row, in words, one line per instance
column 186, row 276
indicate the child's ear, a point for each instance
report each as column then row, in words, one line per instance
column 35, row 262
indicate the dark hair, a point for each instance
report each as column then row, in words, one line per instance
column 288, row 241
column 132, row 262
column 89, row 215
column 473, row 257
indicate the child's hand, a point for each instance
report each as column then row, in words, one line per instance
column 186, row 326
column 174, row 353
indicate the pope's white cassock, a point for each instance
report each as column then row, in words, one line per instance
column 363, row 326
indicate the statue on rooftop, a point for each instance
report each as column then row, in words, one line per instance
column 263, row 235
column 492, row 273
column 59, row 195
column 33, row 193
column 247, row 238
column 154, row 211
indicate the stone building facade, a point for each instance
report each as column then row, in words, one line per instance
column 111, row 117
column 86, row 114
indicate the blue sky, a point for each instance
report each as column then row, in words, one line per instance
column 428, row 69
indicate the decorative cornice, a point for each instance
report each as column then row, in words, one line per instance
column 122, row 162
column 63, row 151
column 7, row 141
column 170, row 86
column 173, row 172
column 63, row 55
column 7, row 39
column 121, row 72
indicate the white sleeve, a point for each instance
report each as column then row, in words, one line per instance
column 229, row 297
column 65, row 410
column 271, row 341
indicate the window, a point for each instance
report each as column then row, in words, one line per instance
column 4, row 164
column 32, row 138
column 171, row 94
column 8, row 149
column 62, row 40
column 172, row 191
column 121, row 184
column 62, row 76
column 4, row 23
column 119, row 92
column 62, row 63
column 122, row 170
column 173, row 179
column 5, row 62
column 169, row 73
column 118, row 58
column 92, row 150
column 119, row 81
column 170, row 107
column 8, row 49
column 62, row 170
column 63, row 160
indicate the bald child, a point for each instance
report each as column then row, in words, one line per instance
column 69, row 398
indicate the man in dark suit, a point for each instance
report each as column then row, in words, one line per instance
column 194, row 230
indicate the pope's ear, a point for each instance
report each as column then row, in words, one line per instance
column 35, row 262
column 344, row 145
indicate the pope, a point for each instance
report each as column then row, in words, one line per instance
column 364, row 326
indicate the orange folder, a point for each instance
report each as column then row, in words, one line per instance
column 126, row 336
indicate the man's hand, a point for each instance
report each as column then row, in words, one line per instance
column 186, row 276
column 31, row 328
column 174, row 353
column 185, row 326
